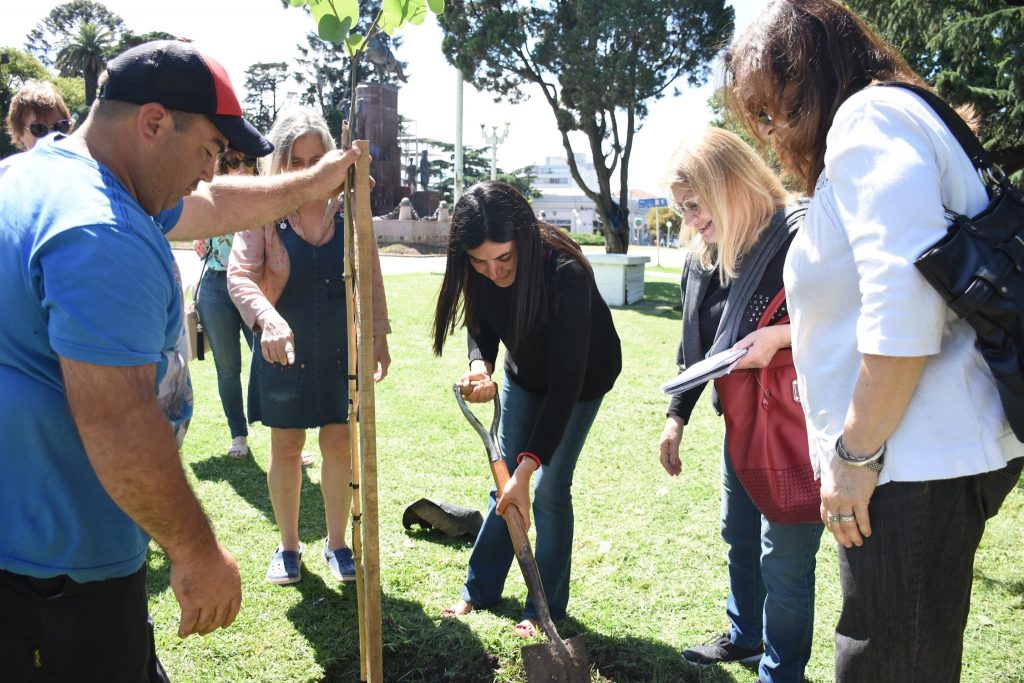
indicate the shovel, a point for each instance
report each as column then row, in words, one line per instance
column 557, row 659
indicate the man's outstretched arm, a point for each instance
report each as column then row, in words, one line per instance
column 232, row 204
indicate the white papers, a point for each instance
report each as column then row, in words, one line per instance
column 706, row 370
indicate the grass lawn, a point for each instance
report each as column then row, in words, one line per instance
column 649, row 574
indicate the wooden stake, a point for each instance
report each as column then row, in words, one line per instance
column 353, row 423
column 366, row 366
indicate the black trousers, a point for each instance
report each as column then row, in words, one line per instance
column 57, row 629
column 907, row 590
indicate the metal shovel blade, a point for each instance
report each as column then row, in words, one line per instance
column 561, row 660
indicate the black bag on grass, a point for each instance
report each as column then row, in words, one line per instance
column 452, row 520
column 978, row 267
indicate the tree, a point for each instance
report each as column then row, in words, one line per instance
column 129, row 39
column 476, row 167
column 663, row 224
column 971, row 51
column 323, row 72
column 63, row 25
column 86, row 56
column 597, row 63
column 260, row 79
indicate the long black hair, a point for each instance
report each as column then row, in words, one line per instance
column 494, row 211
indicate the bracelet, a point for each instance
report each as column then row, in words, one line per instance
column 531, row 456
column 873, row 462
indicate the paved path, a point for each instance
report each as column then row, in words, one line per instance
column 190, row 264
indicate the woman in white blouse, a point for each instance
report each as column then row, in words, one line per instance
column 904, row 422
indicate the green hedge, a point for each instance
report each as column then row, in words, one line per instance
column 587, row 239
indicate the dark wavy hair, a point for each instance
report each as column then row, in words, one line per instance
column 800, row 60
column 494, row 211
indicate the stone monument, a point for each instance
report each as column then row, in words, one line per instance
column 425, row 200
column 376, row 120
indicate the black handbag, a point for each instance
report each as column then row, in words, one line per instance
column 978, row 267
column 193, row 325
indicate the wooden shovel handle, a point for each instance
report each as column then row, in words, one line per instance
column 524, row 554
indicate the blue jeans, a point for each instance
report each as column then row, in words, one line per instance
column 771, row 582
column 907, row 590
column 552, row 507
column 221, row 324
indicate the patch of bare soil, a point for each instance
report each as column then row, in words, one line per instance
column 411, row 250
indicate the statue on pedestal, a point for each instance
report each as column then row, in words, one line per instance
column 424, row 171
column 383, row 59
column 410, row 175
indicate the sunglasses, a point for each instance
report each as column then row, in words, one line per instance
column 234, row 162
column 41, row 129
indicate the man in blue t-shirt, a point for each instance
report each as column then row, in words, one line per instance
column 94, row 391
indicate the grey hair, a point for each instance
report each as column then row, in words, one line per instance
column 289, row 126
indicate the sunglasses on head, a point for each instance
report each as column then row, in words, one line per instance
column 234, row 162
column 41, row 129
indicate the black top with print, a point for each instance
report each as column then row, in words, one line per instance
column 709, row 313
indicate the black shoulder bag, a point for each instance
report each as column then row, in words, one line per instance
column 978, row 267
column 196, row 337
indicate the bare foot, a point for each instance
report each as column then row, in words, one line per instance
column 459, row 609
column 527, row 628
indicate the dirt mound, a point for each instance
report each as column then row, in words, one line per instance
column 410, row 250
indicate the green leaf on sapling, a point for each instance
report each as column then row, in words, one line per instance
column 329, row 29
column 354, row 43
column 392, row 15
column 416, row 11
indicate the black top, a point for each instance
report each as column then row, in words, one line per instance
column 709, row 314
column 574, row 357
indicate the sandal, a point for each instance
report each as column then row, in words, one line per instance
column 527, row 628
column 239, row 450
column 459, row 609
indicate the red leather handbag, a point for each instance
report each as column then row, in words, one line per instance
column 766, row 435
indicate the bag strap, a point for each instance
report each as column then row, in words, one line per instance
column 960, row 130
column 772, row 309
column 199, row 282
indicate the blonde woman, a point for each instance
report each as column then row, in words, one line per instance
column 286, row 279
column 735, row 211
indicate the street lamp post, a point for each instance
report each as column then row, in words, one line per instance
column 457, row 191
column 494, row 139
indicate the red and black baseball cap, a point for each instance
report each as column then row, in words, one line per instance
column 180, row 77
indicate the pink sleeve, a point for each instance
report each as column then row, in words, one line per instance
column 381, row 323
column 245, row 271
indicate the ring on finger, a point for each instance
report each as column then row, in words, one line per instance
column 844, row 519
column 834, row 518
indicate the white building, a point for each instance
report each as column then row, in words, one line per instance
column 562, row 202
column 564, row 205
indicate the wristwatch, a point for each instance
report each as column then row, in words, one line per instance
column 873, row 462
